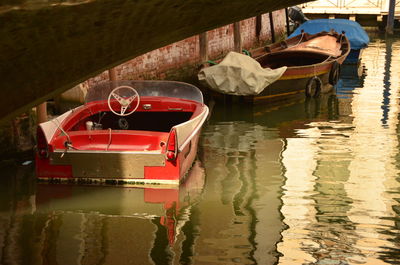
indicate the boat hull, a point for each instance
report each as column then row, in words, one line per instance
column 284, row 88
column 125, row 167
column 295, row 80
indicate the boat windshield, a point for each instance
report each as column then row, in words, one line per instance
column 150, row 88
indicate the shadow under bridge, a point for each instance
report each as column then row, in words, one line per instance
column 47, row 47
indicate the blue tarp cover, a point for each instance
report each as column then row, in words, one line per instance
column 355, row 33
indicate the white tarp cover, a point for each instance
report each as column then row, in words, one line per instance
column 240, row 75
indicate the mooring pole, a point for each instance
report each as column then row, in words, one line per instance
column 203, row 42
column 258, row 27
column 112, row 74
column 41, row 112
column 287, row 21
column 237, row 38
column 271, row 22
column 390, row 18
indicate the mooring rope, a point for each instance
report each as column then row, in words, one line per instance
column 109, row 139
column 64, row 132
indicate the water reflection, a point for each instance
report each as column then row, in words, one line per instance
column 243, row 154
column 341, row 188
column 242, row 196
column 329, row 191
column 374, row 146
column 70, row 224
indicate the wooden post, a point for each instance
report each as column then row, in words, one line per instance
column 203, row 42
column 258, row 27
column 41, row 112
column 112, row 74
column 237, row 38
column 287, row 21
column 271, row 22
column 390, row 18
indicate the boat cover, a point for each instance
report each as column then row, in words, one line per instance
column 354, row 32
column 239, row 75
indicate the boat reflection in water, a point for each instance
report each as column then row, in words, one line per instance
column 351, row 77
column 73, row 224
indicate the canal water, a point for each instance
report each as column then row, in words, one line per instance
column 302, row 182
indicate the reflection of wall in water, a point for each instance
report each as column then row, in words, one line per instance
column 240, row 211
column 297, row 203
column 16, row 199
column 346, row 207
column 375, row 145
column 351, row 80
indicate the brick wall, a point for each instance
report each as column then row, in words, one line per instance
column 168, row 61
column 265, row 33
column 248, row 33
column 279, row 18
column 220, row 41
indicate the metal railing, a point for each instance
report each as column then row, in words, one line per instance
column 352, row 6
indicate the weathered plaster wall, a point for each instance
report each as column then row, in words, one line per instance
column 248, row 33
column 279, row 18
column 220, row 40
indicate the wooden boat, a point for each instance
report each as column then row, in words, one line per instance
column 313, row 63
column 126, row 132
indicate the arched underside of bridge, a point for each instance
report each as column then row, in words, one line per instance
column 47, row 48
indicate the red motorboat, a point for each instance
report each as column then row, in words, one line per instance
column 126, row 132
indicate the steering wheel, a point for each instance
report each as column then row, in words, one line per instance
column 125, row 95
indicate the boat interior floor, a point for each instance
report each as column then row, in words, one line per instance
column 140, row 131
column 291, row 59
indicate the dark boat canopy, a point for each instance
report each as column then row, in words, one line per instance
column 354, row 32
